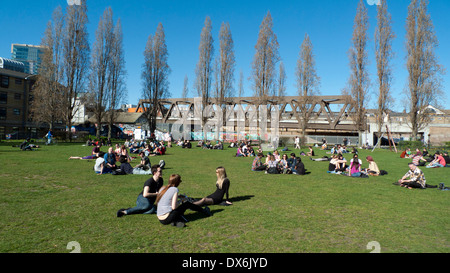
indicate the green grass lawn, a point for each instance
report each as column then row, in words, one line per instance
column 48, row 201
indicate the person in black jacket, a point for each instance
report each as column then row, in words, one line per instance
column 299, row 167
column 125, row 167
column 222, row 185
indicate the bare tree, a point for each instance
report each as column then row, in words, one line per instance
column 241, row 84
column 116, row 76
column 226, row 64
column 185, row 87
column 265, row 60
column 307, row 83
column 383, row 55
column 359, row 80
column 47, row 103
column 75, row 59
column 424, row 71
column 155, row 74
column 204, row 67
column 100, row 65
column 281, row 82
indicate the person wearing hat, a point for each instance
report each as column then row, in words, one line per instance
column 373, row 167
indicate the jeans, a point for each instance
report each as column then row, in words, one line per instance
column 143, row 206
column 357, row 174
column 435, row 165
column 141, row 171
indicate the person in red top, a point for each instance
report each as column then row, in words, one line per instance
column 438, row 161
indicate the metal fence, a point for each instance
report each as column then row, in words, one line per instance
column 331, row 140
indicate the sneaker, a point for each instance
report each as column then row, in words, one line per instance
column 207, row 211
column 441, row 186
column 120, row 212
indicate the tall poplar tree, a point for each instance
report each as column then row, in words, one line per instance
column 424, row 71
column 384, row 36
column 155, row 74
column 204, row 67
column 47, row 103
column 265, row 61
column 75, row 59
column 307, row 83
column 359, row 78
column 100, row 66
column 225, row 65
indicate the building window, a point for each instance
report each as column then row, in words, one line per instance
column 17, row 96
column 4, row 81
column 16, row 111
column 18, row 81
column 2, row 113
column 3, row 98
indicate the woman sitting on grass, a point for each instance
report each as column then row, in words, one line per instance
column 283, row 165
column 223, row 185
column 332, row 164
column 276, row 154
column 169, row 211
column 355, row 166
column 373, row 167
column 272, row 165
column 311, row 151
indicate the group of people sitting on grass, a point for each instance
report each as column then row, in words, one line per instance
column 274, row 164
column 150, row 147
column 209, row 145
column 339, row 165
column 168, row 205
column 109, row 164
column 244, row 150
column 186, row 144
column 439, row 159
column 117, row 161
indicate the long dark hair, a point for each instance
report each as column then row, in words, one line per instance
column 355, row 160
column 174, row 181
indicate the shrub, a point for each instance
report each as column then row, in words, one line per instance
column 410, row 144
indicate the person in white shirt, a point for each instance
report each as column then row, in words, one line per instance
column 169, row 211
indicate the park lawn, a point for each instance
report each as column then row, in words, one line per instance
column 48, row 201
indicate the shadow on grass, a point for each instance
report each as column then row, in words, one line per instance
column 241, row 198
column 198, row 215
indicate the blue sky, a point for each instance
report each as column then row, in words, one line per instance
column 329, row 23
